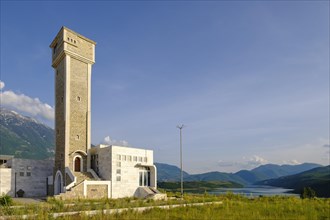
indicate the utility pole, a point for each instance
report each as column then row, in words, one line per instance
column 180, row 127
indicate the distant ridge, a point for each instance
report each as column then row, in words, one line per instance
column 318, row 179
column 168, row 173
column 172, row 173
column 25, row 137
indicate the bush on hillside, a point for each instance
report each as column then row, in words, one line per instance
column 307, row 193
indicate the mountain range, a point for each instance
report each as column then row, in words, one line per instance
column 168, row 173
column 25, row 137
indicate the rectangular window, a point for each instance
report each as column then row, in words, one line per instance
column 129, row 158
column 118, row 178
column 145, row 159
column 135, row 158
column 118, row 157
column 118, row 164
column 28, row 173
column 118, row 171
column 124, row 157
column 140, row 178
column 144, row 178
column 140, row 159
column 21, row 173
column 148, row 178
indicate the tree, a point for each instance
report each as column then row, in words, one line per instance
column 307, row 193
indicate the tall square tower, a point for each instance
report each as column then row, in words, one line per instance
column 72, row 58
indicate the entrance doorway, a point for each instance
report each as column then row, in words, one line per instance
column 144, row 177
column 58, row 183
column 77, row 164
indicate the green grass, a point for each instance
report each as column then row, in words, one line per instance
column 233, row 207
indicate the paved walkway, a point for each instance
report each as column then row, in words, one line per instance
column 111, row 211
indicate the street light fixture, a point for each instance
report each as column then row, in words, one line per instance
column 180, row 127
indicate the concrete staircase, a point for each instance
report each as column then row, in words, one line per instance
column 81, row 176
column 77, row 191
column 146, row 192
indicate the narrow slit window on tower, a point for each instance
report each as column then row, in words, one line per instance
column 78, row 98
column 77, row 137
column 54, row 49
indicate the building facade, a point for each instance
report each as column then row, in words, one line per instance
column 30, row 176
column 131, row 170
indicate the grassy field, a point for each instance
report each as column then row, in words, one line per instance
column 232, row 207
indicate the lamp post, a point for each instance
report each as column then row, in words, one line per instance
column 180, row 127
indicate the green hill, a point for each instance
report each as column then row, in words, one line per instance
column 25, row 137
column 170, row 173
column 318, row 179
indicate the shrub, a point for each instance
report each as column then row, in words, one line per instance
column 6, row 200
column 307, row 193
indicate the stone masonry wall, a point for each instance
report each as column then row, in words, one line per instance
column 78, row 108
column 104, row 163
column 79, row 45
column 97, row 191
column 6, row 182
column 60, row 118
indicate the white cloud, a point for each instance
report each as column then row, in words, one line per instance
column 109, row 141
column 2, row 85
column 245, row 163
column 26, row 104
column 292, row 162
column 256, row 161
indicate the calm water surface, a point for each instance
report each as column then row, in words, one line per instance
column 255, row 191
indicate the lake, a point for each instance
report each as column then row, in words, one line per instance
column 255, row 191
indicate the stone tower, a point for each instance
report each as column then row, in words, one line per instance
column 72, row 58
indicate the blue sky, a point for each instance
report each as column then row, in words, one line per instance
column 249, row 79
